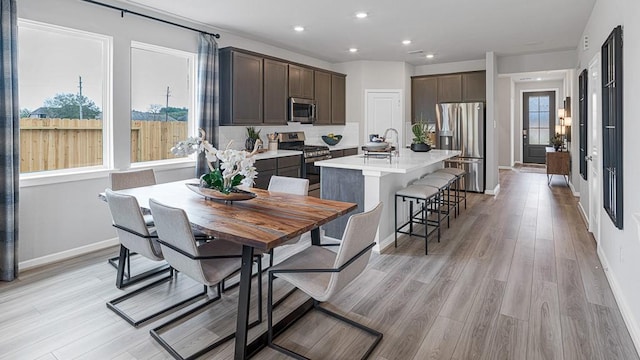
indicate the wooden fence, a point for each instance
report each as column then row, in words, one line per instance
column 153, row 140
column 51, row 144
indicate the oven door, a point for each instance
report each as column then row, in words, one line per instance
column 312, row 173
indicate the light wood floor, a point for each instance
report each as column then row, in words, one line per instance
column 515, row 277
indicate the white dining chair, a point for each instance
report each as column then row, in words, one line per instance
column 289, row 185
column 322, row 273
column 209, row 264
column 135, row 236
column 121, row 180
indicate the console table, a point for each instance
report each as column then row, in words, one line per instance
column 558, row 163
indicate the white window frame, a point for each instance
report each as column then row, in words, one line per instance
column 86, row 172
column 191, row 125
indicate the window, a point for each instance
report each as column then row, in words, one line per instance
column 612, row 125
column 162, row 100
column 539, row 115
column 64, row 77
column 584, row 108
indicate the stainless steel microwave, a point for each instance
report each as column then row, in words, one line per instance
column 302, row 110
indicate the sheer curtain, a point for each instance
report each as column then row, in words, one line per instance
column 208, row 105
column 9, row 142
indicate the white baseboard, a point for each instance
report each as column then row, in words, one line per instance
column 384, row 243
column 503, row 167
column 583, row 214
column 67, row 254
column 493, row 192
column 573, row 190
column 632, row 326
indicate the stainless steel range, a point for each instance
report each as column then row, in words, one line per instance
column 311, row 154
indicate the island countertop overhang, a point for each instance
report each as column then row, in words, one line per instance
column 407, row 162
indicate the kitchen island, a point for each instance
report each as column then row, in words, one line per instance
column 367, row 181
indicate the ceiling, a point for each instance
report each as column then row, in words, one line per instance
column 452, row 30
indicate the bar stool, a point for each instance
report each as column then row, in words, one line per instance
column 427, row 198
column 452, row 180
column 461, row 183
column 442, row 185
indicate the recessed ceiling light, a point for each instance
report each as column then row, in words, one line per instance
column 538, row 79
column 430, row 56
column 406, row 42
column 298, row 28
column 353, row 50
column 361, row 15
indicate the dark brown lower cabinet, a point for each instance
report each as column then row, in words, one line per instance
column 290, row 166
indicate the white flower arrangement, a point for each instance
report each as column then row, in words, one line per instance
column 229, row 168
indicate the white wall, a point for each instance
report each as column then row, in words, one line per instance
column 503, row 109
column 619, row 250
column 492, row 184
column 65, row 218
column 537, row 62
column 363, row 75
column 452, row 67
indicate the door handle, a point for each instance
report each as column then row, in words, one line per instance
column 588, row 158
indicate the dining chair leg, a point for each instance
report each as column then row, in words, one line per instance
column 112, row 304
column 121, row 274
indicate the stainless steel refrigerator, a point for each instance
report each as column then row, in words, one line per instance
column 461, row 126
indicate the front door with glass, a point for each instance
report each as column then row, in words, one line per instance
column 538, row 123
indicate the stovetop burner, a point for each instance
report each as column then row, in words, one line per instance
column 295, row 141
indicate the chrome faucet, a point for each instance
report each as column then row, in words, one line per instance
column 384, row 136
column 397, row 139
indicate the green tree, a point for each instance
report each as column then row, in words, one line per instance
column 67, row 106
column 25, row 113
column 175, row 112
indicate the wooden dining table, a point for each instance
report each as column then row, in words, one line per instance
column 261, row 223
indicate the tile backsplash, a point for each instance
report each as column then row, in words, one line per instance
column 313, row 134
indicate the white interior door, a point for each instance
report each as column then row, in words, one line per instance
column 595, row 144
column 383, row 110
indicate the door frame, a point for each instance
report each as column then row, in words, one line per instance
column 595, row 200
column 397, row 124
column 521, row 113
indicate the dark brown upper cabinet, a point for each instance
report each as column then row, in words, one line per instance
column 330, row 98
column 338, row 96
column 429, row 90
column 276, row 90
column 240, row 88
column 255, row 89
column 424, row 97
column 474, row 86
column 450, row 88
column 300, row 82
column 323, row 96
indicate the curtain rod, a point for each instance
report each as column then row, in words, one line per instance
column 123, row 11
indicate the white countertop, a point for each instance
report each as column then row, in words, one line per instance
column 276, row 154
column 407, row 161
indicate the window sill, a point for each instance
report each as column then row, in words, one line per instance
column 71, row 175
